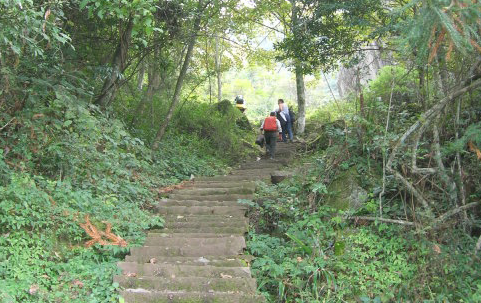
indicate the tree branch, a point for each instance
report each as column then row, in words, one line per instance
column 402, row 222
column 453, row 212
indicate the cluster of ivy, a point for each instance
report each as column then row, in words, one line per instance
column 63, row 161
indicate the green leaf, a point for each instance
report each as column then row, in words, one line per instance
column 84, row 3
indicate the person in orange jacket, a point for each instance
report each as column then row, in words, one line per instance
column 271, row 127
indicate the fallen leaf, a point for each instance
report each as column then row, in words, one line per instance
column 36, row 116
column 225, row 276
column 131, row 274
column 436, row 249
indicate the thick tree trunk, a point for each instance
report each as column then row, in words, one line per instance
column 180, row 79
column 300, row 87
column 217, row 70
column 301, row 100
column 110, row 87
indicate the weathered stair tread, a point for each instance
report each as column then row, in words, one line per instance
column 220, row 184
column 231, row 178
column 215, row 249
column 208, row 229
column 226, row 197
column 171, row 202
column 222, row 261
column 246, row 285
column 199, row 224
column 203, row 218
column 215, row 191
column 146, row 296
column 174, row 270
column 231, row 241
column 188, row 235
column 202, row 210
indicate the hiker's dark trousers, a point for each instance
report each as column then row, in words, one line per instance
column 271, row 139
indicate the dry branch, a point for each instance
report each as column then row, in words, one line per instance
column 97, row 235
column 474, row 149
column 453, row 212
column 478, row 246
column 469, row 84
column 402, row 222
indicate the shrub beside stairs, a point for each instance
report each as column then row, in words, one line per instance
column 198, row 256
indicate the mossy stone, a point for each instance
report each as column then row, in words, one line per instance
column 345, row 192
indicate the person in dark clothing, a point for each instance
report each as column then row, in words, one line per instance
column 282, row 118
column 271, row 127
column 285, row 109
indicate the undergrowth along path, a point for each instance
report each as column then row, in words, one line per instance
column 198, row 256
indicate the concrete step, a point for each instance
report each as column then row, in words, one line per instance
column 261, row 164
column 200, row 224
column 231, row 178
column 147, row 296
column 254, row 172
column 199, row 284
column 199, row 191
column 220, row 261
column 209, row 229
column 234, row 242
column 213, row 197
column 220, row 248
column 170, row 202
column 202, row 210
column 189, row 235
column 173, row 270
column 204, row 218
column 221, row 184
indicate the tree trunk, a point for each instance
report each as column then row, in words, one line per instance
column 110, row 87
column 180, row 79
column 217, row 70
column 140, row 79
column 300, row 87
column 301, row 100
column 153, row 86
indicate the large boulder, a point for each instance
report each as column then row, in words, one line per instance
column 345, row 192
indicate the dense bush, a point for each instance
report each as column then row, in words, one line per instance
column 220, row 127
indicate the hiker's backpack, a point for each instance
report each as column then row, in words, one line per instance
column 292, row 115
column 281, row 118
column 270, row 123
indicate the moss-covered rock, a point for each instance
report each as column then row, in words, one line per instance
column 345, row 193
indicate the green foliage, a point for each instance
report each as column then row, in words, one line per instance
column 308, row 252
column 62, row 162
column 323, row 258
column 324, row 33
column 223, row 133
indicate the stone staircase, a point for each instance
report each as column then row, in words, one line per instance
column 197, row 257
